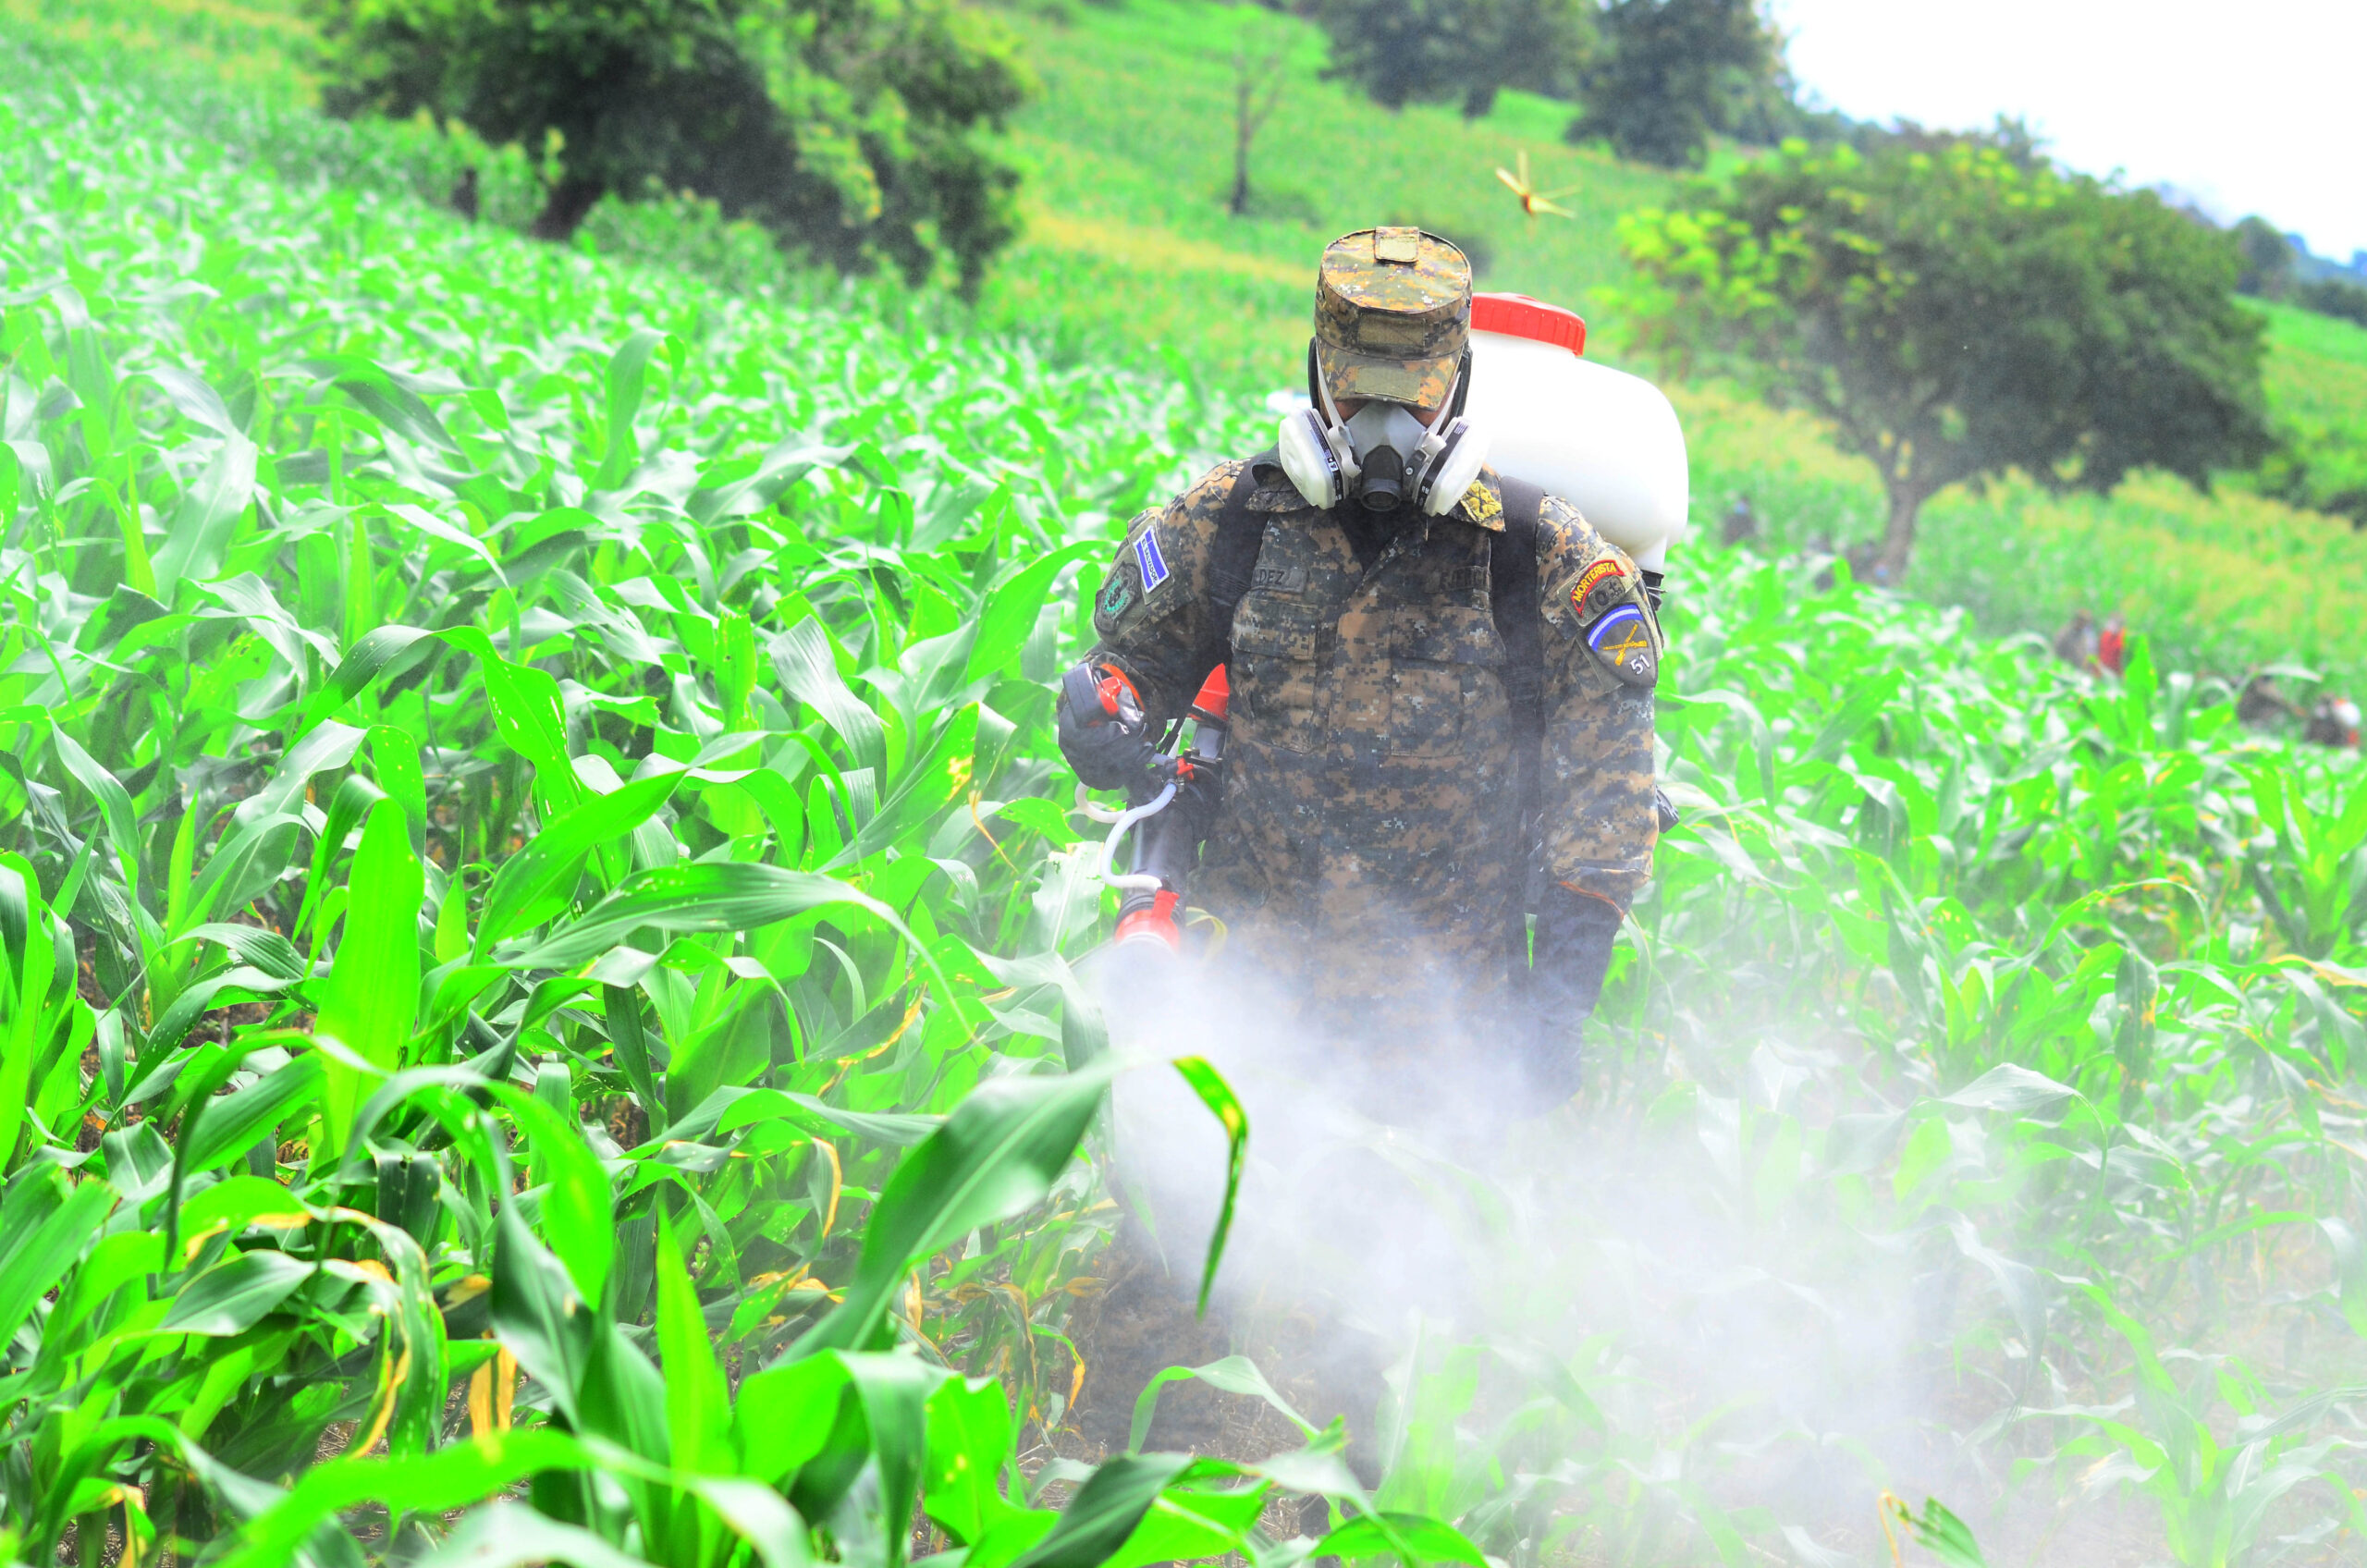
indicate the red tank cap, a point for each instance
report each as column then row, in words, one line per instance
column 1517, row 315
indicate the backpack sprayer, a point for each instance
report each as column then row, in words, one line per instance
column 1168, row 843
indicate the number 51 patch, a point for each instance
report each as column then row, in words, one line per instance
column 1622, row 640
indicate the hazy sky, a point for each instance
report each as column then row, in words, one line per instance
column 2249, row 105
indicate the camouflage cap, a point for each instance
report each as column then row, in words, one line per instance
column 1393, row 313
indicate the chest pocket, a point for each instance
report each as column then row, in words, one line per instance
column 1445, row 690
column 1280, row 648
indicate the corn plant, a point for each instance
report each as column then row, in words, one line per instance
column 536, row 946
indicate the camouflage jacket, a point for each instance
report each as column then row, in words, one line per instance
column 1365, row 847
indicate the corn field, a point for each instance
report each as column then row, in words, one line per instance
column 541, row 1020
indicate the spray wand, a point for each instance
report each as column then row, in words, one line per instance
column 1169, row 842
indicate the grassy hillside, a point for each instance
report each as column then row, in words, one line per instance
column 2317, row 383
column 1130, row 157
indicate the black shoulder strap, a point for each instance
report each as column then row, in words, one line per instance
column 1232, row 559
column 1512, row 595
column 1520, row 622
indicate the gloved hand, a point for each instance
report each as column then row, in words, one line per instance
column 1573, row 954
column 1104, row 733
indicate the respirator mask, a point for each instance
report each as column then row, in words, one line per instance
column 1382, row 456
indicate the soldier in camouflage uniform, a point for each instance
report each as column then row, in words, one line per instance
column 1366, row 855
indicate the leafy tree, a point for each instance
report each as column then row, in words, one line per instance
column 1261, row 57
column 2332, row 297
column 847, row 126
column 1954, row 313
column 2270, row 266
column 1401, row 52
column 1669, row 72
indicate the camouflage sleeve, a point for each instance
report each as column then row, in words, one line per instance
column 1151, row 611
column 1602, row 656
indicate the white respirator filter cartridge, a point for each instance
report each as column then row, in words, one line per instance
column 1313, row 461
column 1454, row 454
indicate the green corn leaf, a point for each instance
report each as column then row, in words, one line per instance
column 373, row 991
column 45, row 1221
column 1420, row 1539
column 2011, row 1088
column 1218, row 1095
column 394, row 405
column 698, row 1408
column 627, row 368
column 801, row 656
column 28, row 992
column 235, row 1123
column 114, row 804
column 236, row 1294
column 1944, row 1535
column 1106, row 1511
column 201, row 527
column 280, row 1522
column 539, row 1313
column 258, row 949
column 1234, row 1373
column 997, row 1155
column 894, row 1392
column 252, row 857
column 579, row 1219
column 621, row 1007
column 761, row 1516
column 197, row 403
column 969, row 1441
column 174, row 1025
column 1012, row 607
column 539, row 881
column 511, row 1535
column 702, row 897
column 1184, row 1525
column 789, row 1415
column 729, row 1109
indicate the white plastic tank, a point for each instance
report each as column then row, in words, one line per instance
column 1601, row 440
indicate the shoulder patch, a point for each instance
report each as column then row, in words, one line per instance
column 1121, row 592
column 1153, row 564
column 1602, row 585
column 1128, row 588
column 1117, row 596
column 1621, row 640
column 1482, row 505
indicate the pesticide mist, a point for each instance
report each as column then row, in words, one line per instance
column 1956, row 1127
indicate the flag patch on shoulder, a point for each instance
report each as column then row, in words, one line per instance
column 1622, row 640
column 1147, row 555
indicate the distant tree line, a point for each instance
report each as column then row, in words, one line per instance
column 1654, row 79
column 2273, row 270
column 851, row 129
